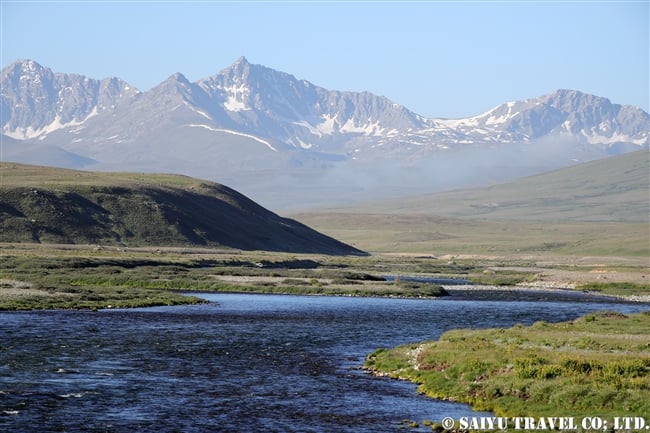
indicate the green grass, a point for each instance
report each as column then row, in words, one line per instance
column 24, row 175
column 73, row 276
column 613, row 189
column 426, row 234
column 44, row 278
column 595, row 209
column 596, row 365
column 49, row 205
column 617, row 288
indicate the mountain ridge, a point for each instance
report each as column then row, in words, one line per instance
column 34, row 82
column 248, row 120
column 244, row 87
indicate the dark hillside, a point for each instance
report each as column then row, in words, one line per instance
column 137, row 210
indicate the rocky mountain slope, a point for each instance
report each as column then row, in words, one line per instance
column 42, row 204
column 258, row 129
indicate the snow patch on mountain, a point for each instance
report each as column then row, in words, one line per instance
column 229, row 131
column 504, row 117
column 368, row 129
column 40, row 133
column 236, row 97
column 196, row 110
column 328, row 125
column 233, row 104
column 302, row 144
column 615, row 138
column 21, row 133
column 312, row 130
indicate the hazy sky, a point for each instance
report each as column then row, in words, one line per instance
column 439, row 59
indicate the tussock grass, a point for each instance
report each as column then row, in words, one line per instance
column 59, row 274
column 617, row 288
column 598, row 364
column 37, row 279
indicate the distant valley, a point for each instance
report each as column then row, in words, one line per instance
column 613, row 189
column 290, row 144
column 599, row 208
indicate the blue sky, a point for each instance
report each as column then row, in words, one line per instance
column 439, row 59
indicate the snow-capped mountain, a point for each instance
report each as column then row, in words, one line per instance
column 295, row 113
column 585, row 117
column 298, row 113
column 36, row 101
column 252, row 121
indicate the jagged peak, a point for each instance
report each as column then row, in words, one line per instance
column 242, row 71
column 242, row 67
column 567, row 92
column 117, row 82
column 572, row 94
column 114, row 79
column 25, row 66
column 31, row 68
column 241, row 61
column 239, row 65
column 178, row 77
column 569, row 100
column 28, row 64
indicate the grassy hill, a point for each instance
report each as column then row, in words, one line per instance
column 611, row 189
column 597, row 208
column 51, row 205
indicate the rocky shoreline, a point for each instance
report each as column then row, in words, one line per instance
column 540, row 288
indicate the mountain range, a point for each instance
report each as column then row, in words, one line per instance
column 289, row 143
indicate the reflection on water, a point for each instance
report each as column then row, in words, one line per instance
column 244, row 363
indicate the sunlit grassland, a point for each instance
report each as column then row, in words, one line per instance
column 600, row 208
column 596, row 365
column 45, row 277
column 613, row 189
column 424, row 234
column 85, row 276
column 22, row 175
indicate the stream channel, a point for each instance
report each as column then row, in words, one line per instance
column 243, row 363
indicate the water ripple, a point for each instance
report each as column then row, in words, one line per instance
column 243, row 363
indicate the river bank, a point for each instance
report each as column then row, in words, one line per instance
column 80, row 277
column 198, row 367
column 545, row 287
column 596, row 365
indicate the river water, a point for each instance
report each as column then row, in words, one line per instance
column 243, row 363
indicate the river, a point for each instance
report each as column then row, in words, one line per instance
column 243, row 363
